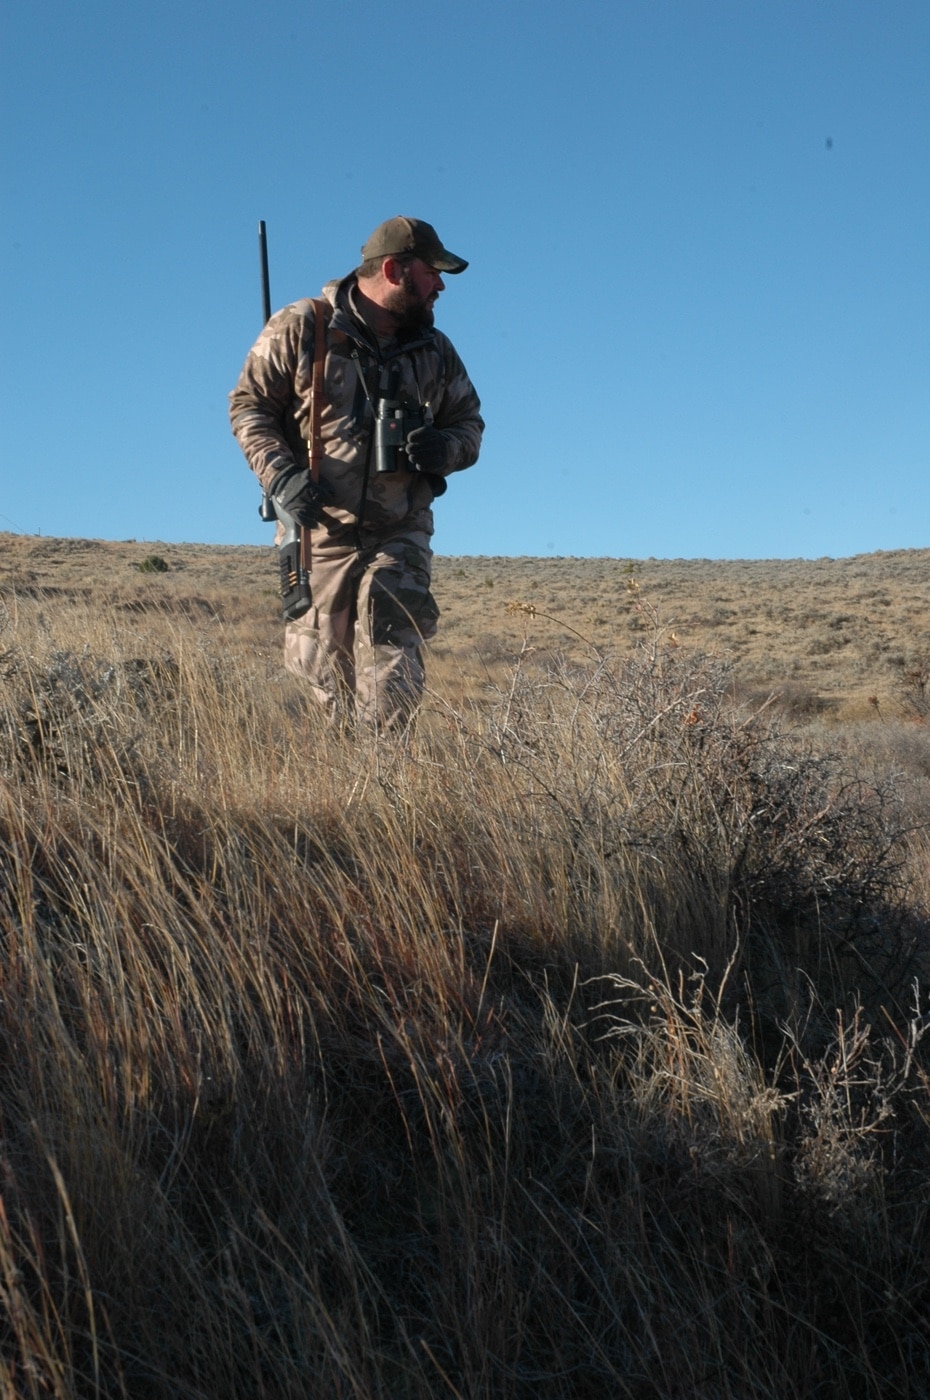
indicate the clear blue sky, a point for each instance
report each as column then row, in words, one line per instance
column 698, row 303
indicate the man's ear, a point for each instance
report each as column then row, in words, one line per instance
column 392, row 270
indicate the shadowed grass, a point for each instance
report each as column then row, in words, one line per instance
column 572, row 1045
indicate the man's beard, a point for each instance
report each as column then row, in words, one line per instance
column 412, row 313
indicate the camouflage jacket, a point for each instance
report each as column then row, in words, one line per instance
column 270, row 408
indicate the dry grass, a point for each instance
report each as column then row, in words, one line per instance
column 827, row 635
column 572, row 1047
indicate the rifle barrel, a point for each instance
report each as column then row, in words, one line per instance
column 263, row 258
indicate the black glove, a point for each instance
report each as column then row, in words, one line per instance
column 428, row 450
column 296, row 494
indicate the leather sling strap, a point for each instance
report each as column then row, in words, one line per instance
column 321, row 314
column 315, row 441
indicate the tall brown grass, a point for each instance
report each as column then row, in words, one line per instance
column 572, row 1045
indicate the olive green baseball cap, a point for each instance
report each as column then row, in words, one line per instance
column 403, row 235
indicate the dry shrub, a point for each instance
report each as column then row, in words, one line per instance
column 698, row 829
column 913, row 684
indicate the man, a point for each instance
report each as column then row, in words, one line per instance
column 367, row 521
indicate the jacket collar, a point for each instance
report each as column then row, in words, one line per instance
column 340, row 294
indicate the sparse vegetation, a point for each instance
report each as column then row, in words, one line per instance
column 574, row 1046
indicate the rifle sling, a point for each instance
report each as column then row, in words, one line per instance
column 315, row 441
column 321, row 313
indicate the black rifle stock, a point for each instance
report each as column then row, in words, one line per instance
column 294, row 581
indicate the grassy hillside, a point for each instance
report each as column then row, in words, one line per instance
column 839, row 631
column 575, row 1045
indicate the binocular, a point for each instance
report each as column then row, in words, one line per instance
column 395, row 419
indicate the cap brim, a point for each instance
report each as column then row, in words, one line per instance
column 449, row 263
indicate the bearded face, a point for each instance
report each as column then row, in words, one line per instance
column 412, row 301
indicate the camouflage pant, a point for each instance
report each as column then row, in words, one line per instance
column 359, row 646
